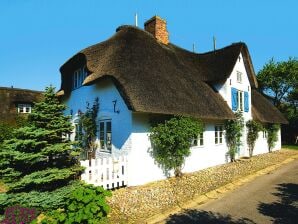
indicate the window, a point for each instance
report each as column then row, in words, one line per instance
column 240, row 100
column 264, row 134
column 105, row 135
column 79, row 77
column 199, row 140
column 24, row 108
column 218, row 134
column 239, row 77
column 78, row 132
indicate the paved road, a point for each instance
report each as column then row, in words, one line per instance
column 271, row 198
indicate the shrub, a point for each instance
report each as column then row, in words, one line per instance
column 86, row 204
column 253, row 129
column 234, row 130
column 171, row 142
column 272, row 130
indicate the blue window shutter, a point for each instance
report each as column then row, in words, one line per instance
column 234, row 99
column 246, row 102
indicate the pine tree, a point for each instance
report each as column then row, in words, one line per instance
column 40, row 157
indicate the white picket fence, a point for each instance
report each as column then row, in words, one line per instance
column 108, row 172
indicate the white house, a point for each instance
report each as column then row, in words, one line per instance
column 139, row 76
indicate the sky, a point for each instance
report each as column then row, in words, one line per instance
column 38, row 36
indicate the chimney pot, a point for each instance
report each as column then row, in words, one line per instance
column 158, row 28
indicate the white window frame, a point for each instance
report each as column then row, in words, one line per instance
column 264, row 134
column 24, row 108
column 105, row 136
column 218, row 134
column 240, row 100
column 78, row 77
column 199, row 141
column 239, row 77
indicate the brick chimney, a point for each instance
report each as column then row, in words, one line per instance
column 158, row 28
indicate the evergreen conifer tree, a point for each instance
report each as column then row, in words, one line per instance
column 40, row 157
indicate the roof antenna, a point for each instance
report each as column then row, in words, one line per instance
column 214, row 43
column 136, row 19
column 193, row 47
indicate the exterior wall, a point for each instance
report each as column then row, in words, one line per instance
column 107, row 93
column 261, row 145
column 141, row 167
column 210, row 154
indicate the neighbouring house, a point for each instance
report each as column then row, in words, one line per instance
column 138, row 75
column 16, row 103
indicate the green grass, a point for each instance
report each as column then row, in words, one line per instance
column 294, row 147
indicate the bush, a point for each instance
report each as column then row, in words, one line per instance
column 86, row 204
column 272, row 130
column 234, row 130
column 171, row 142
column 253, row 129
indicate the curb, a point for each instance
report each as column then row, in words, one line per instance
column 217, row 193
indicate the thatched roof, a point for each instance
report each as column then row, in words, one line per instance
column 157, row 78
column 10, row 97
column 264, row 111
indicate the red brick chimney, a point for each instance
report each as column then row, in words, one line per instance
column 158, row 28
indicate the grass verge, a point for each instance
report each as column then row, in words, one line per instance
column 293, row 147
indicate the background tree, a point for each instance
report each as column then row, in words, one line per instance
column 253, row 128
column 279, row 80
column 171, row 142
column 40, row 158
column 234, row 130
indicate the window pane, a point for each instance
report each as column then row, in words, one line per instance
column 101, row 135
column 109, row 135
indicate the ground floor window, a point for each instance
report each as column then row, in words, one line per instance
column 199, row 140
column 264, row 134
column 105, row 135
column 218, row 134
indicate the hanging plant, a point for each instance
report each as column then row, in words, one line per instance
column 87, row 122
column 234, row 130
column 253, row 128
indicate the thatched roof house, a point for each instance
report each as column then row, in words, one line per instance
column 16, row 101
column 139, row 76
column 162, row 78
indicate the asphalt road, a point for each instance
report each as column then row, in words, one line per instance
column 271, row 198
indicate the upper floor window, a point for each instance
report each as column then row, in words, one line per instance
column 218, row 134
column 105, row 135
column 239, row 77
column 24, row 108
column 79, row 77
column 240, row 100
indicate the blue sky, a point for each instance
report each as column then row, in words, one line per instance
column 38, row 36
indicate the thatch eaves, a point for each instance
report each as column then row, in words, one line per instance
column 264, row 111
column 157, row 78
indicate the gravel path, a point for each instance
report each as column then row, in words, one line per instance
column 134, row 204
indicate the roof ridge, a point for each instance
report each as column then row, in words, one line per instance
column 19, row 89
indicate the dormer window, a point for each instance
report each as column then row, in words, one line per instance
column 79, row 77
column 239, row 77
column 24, row 108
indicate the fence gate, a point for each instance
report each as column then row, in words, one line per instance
column 108, row 172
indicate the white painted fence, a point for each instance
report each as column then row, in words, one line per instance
column 108, row 172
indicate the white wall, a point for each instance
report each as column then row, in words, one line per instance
column 207, row 155
column 142, row 167
column 106, row 91
column 261, row 145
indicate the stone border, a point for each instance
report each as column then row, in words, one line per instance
column 217, row 193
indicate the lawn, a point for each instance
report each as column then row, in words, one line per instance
column 294, row 147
